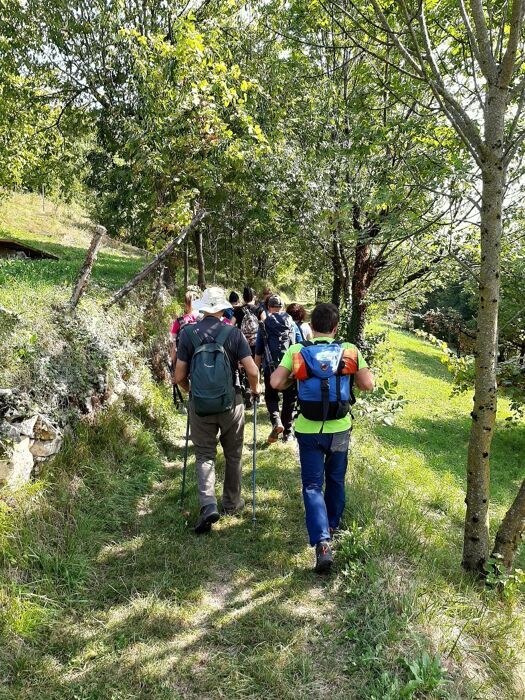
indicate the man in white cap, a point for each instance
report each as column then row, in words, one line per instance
column 226, row 425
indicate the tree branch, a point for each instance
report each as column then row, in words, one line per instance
column 486, row 62
column 509, row 58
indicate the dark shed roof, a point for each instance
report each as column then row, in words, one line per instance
column 9, row 248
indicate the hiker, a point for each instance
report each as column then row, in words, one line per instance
column 246, row 321
column 262, row 308
column 246, row 317
column 229, row 313
column 324, row 371
column 187, row 317
column 209, row 354
column 276, row 333
column 298, row 313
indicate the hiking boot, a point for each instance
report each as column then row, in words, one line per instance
column 288, row 437
column 233, row 511
column 274, row 435
column 324, row 557
column 208, row 515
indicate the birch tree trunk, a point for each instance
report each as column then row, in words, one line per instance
column 476, row 545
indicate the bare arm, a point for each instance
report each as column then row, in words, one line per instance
column 258, row 361
column 252, row 372
column 181, row 375
column 281, row 378
column 364, row 379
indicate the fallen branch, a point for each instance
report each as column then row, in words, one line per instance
column 126, row 289
column 85, row 272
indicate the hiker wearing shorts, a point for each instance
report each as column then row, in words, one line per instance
column 208, row 427
column 276, row 333
column 324, row 371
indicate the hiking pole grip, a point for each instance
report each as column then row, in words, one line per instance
column 254, row 456
column 185, row 464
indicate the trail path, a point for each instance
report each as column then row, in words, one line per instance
column 240, row 614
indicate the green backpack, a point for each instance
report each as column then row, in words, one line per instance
column 212, row 387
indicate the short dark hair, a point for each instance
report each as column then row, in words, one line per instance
column 297, row 312
column 325, row 318
column 248, row 294
column 233, row 298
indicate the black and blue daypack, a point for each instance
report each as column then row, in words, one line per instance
column 212, row 387
column 325, row 374
column 279, row 334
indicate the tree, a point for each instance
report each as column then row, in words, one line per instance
column 471, row 59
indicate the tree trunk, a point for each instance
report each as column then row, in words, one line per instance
column 476, row 539
column 340, row 284
column 199, row 251
column 160, row 258
column 85, row 272
column 215, row 260
column 242, row 261
column 364, row 273
column 511, row 530
column 186, row 265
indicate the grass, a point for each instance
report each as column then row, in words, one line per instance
column 109, row 594
column 64, row 231
column 106, row 593
column 41, row 348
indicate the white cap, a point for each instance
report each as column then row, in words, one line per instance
column 213, row 300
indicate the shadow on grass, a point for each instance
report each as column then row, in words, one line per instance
column 425, row 364
column 165, row 614
column 444, row 445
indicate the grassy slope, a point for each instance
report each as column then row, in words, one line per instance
column 138, row 607
column 111, row 596
column 35, row 289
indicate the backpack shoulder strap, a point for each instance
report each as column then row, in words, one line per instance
column 223, row 334
column 195, row 338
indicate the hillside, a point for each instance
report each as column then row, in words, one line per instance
column 106, row 594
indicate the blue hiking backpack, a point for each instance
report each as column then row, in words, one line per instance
column 212, row 389
column 325, row 376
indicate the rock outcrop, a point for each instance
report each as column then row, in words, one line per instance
column 26, row 437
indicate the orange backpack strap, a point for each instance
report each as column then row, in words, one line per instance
column 349, row 361
column 299, row 368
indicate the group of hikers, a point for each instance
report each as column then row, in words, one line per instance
column 220, row 346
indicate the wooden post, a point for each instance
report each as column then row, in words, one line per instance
column 126, row 289
column 85, row 272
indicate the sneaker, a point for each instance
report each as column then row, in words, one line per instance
column 334, row 532
column 274, row 435
column 233, row 511
column 208, row 515
column 324, row 557
column 288, row 437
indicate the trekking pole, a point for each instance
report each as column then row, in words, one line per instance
column 185, row 465
column 254, row 456
column 178, row 399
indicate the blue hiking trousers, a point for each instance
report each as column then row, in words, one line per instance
column 324, row 458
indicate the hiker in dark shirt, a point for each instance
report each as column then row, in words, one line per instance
column 248, row 297
column 276, row 333
column 226, row 426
